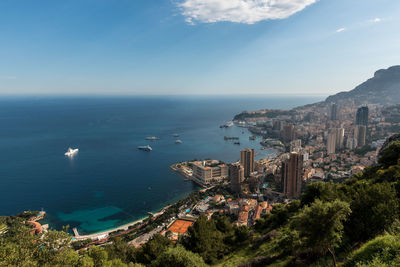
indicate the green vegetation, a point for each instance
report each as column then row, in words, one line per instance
column 390, row 154
column 381, row 251
column 2, row 227
column 363, row 150
column 272, row 113
column 320, row 226
column 178, row 256
column 353, row 223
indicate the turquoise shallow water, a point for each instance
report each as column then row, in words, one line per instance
column 110, row 182
column 90, row 219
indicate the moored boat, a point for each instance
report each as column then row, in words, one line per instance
column 152, row 138
column 145, row 148
column 71, row 152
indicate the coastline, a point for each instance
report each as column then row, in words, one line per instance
column 107, row 231
column 127, row 227
column 104, row 234
column 204, row 142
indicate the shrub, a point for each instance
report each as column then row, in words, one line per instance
column 384, row 249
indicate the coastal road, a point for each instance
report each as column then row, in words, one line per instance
column 145, row 237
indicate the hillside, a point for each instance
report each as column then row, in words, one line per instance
column 383, row 88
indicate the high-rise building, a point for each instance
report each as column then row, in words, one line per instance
column 362, row 116
column 295, row 145
column 331, row 142
column 360, row 133
column 339, row 138
column 236, row 176
column 247, row 161
column 306, row 156
column 334, row 112
column 288, row 132
column 292, row 171
column 351, row 143
column 277, row 125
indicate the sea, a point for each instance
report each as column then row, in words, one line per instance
column 110, row 182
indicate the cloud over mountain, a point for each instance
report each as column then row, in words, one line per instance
column 240, row 11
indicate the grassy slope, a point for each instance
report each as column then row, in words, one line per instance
column 247, row 254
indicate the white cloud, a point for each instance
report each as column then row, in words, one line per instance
column 341, row 30
column 361, row 25
column 240, row 11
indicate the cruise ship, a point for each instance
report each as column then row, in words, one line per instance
column 145, row 148
column 71, row 152
column 152, row 138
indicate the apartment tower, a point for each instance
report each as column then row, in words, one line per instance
column 360, row 133
column 288, row 133
column 247, row 161
column 292, row 171
column 362, row 116
column 334, row 112
column 331, row 142
column 236, row 176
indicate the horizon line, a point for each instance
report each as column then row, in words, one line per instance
column 21, row 95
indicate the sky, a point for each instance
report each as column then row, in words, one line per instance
column 169, row 47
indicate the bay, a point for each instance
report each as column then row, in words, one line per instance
column 110, row 182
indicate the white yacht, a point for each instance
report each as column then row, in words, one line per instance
column 71, row 152
column 178, row 141
column 175, row 135
column 145, row 148
column 152, row 138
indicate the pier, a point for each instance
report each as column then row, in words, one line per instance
column 231, row 138
column 76, row 233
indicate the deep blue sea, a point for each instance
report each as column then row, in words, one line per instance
column 110, row 182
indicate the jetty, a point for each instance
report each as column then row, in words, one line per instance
column 76, row 233
column 39, row 216
column 183, row 169
column 231, row 138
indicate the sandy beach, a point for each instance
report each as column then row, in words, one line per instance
column 104, row 234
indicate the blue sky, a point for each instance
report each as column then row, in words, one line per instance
column 194, row 46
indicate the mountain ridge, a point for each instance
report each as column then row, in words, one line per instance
column 383, row 88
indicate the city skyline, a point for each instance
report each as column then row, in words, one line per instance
column 194, row 46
